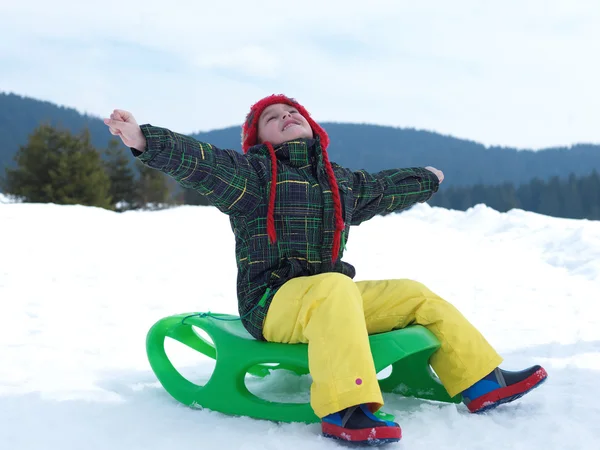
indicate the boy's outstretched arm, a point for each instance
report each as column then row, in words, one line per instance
column 225, row 177
column 391, row 190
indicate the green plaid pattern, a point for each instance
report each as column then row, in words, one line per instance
column 239, row 186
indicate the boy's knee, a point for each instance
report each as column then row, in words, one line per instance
column 336, row 280
column 430, row 298
column 427, row 293
column 412, row 288
column 339, row 286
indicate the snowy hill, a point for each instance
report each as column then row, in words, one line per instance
column 80, row 287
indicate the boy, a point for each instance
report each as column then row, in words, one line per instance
column 291, row 210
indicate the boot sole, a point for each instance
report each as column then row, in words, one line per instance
column 509, row 393
column 369, row 436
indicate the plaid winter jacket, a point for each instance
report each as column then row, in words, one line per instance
column 239, row 184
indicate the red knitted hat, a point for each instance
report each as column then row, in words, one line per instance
column 250, row 138
column 250, row 127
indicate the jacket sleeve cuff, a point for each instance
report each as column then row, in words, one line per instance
column 429, row 179
column 156, row 140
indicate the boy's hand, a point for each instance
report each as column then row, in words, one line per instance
column 123, row 124
column 437, row 172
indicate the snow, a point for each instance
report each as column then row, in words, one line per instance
column 5, row 199
column 81, row 286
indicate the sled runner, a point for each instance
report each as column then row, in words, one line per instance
column 237, row 353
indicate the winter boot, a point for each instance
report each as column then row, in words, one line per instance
column 357, row 424
column 502, row 386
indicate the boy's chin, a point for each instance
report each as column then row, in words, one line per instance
column 291, row 137
column 296, row 136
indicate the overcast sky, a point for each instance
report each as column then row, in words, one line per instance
column 515, row 73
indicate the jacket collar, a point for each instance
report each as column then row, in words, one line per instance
column 296, row 153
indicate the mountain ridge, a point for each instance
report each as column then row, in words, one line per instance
column 354, row 145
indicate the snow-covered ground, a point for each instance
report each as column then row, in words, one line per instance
column 80, row 287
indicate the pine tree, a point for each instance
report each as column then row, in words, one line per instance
column 590, row 194
column 153, row 191
column 572, row 199
column 507, row 198
column 575, row 197
column 192, row 197
column 58, row 167
column 530, row 194
column 123, row 188
column 550, row 199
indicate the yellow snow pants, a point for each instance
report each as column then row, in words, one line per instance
column 335, row 315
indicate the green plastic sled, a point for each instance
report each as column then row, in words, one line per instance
column 237, row 353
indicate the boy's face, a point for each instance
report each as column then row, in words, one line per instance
column 280, row 123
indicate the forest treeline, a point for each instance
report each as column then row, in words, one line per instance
column 57, row 166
